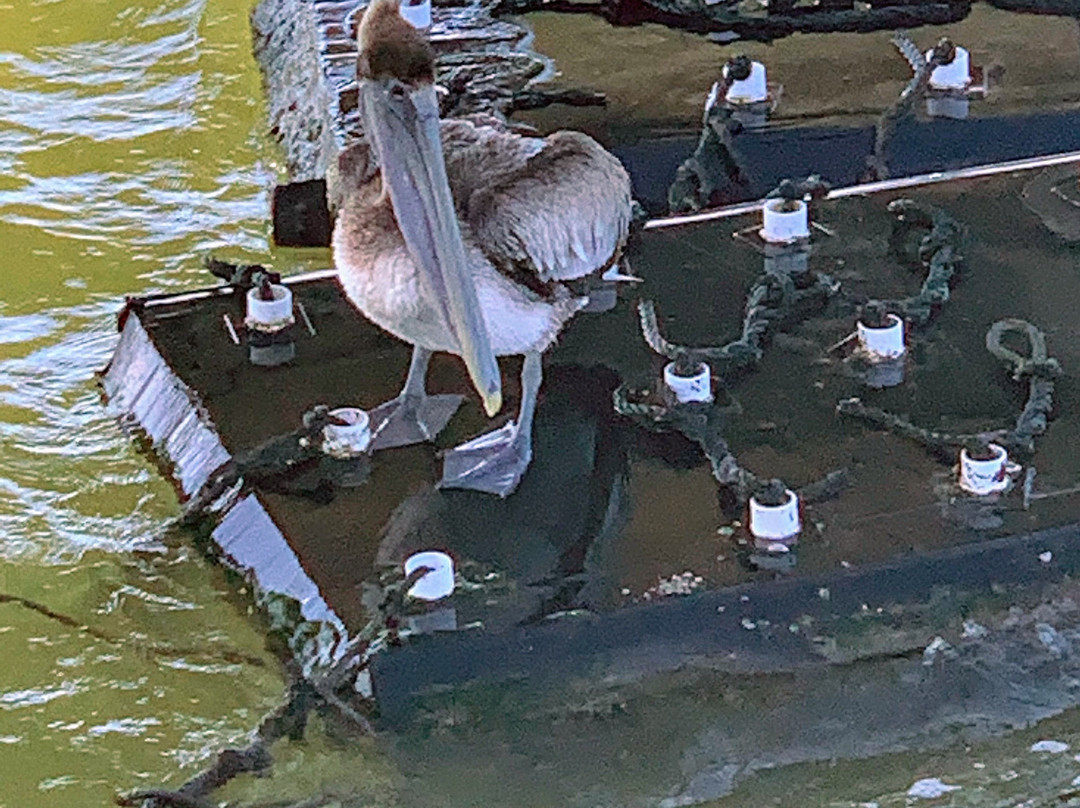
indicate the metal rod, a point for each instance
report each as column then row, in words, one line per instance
column 916, row 180
column 230, row 329
column 1064, row 492
column 307, row 320
column 171, row 298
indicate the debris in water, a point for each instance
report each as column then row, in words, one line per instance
column 682, row 584
column 930, row 789
column 748, row 624
column 1049, row 636
column 362, row 685
column 823, row 593
column 1046, row 557
column 1053, row 747
column 937, row 647
column 973, row 630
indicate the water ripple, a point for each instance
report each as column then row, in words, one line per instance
column 26, row 328
column 16, row 699
column 94, row 64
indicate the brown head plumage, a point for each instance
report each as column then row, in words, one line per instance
column 391, row 48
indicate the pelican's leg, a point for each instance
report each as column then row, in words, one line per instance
column 496, row 462
column 414, row 416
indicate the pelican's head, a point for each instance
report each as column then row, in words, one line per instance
column 400, row 113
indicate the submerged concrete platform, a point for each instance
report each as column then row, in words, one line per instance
column 824, row 125
column 566, row 579
column 563, row 578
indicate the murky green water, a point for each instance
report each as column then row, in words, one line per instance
column 131, row 141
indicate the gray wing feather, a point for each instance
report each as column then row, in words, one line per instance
column 558, row 207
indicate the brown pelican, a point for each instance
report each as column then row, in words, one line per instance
column 460, row 236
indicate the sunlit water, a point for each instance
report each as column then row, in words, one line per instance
column 132, row 142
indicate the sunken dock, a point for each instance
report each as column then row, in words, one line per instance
column 620, row 557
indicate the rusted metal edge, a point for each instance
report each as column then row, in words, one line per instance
column 934, row 177
column 174, row 298
column 152, row 402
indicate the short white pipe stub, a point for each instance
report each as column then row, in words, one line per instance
column 783, row 226
column 439, row 582
column 270, row 315
column 751, row 90
column 776, row 522
column 954, row 76
column 418, row 15
column 689, row 388
column 982, row 477
column 883, row 343
column 349, row 438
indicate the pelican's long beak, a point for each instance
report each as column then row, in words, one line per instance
column 403, row 125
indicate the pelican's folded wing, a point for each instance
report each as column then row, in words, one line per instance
column 559, row 207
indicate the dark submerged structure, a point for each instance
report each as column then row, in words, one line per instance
column 565, row 581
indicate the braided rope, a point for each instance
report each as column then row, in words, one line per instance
column 1041, row 371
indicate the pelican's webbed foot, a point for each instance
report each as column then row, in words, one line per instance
column 493, row 463
column 410, row 419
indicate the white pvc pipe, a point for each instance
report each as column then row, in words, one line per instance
column 439, row 582
column 418, row 15
column 982, row 477
column 775, row 522
column 883, row 343
column 270, row 315
column 689, row 388
column 349, row 439
column 956, row 75
column 750, row 90
column 783, row 226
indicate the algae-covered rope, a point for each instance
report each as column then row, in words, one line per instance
column 1040, row 370
column 941, row 251
column 885, row 128
column 773, row 298
column 702, row 423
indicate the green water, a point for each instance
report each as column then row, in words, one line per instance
column 131, row 142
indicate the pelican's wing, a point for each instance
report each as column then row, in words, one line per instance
column 559, row 207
